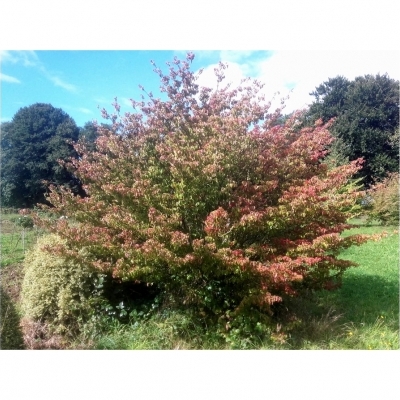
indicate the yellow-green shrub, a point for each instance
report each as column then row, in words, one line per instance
column 384, row 201
column 54, row 289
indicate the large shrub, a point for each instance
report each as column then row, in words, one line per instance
column 209, row 198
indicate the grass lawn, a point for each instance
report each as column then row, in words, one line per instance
column 369, row 297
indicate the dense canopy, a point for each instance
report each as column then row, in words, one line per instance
column 31, row 145
column 367, row 121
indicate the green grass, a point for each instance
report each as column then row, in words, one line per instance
column 14, row 239
column 164, row 331
column 364, row 312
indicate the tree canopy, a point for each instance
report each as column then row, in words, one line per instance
column 32, row 143
column 88, row 134
column 367, row 121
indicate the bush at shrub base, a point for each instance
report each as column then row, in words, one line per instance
column 58, row 291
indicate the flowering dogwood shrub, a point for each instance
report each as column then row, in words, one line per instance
column 207, row 196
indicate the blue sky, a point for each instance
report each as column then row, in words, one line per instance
column 80, row 81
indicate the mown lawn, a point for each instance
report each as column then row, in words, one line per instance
column 364, row 312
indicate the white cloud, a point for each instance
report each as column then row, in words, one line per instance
column 59, row 82
column 125, row 101
column 85, row 110
column 200, row 54
column 8, row 78
column 6, row 56
column 304, row 70
column 301, row 71
column 102, row 100
column 233, row 74
column 31, row 59
column 235, row 55
column 26, row 58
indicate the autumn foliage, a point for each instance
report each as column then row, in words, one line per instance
column 206, row 196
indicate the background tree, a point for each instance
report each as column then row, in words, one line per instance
column 88, row 134
column 32, row 143
column 367, row 121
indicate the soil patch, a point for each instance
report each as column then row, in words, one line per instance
column 11, row 279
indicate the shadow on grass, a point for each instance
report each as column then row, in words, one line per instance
column 324, row 317
column 364, row 298
column 10, row 331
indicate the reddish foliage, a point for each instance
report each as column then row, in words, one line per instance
column 206, row 190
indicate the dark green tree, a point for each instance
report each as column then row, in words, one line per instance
column 31, row 145
column 367, row 121
column 88, row 134
column 329, row 99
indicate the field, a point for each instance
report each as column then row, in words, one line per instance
column 362, row 314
